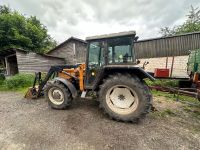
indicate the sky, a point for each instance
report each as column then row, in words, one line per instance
column 82, row 18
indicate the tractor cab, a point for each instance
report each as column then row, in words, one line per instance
column 106, row 50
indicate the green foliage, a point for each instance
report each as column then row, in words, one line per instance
column 2, row 77
column 18, row 31
column 17, row 81
column 163, row 82
column 172, row 97
column 4, row 9
column 192, row 24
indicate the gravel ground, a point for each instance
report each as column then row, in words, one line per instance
column 31, row 124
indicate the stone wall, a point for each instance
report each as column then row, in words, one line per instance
column 179, row 69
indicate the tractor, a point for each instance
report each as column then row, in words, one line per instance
column 110, row 74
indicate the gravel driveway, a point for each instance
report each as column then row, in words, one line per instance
column 31, row 124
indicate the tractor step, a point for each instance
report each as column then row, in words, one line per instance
column 83, row 95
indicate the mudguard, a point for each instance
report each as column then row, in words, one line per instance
column 111, row 69
column 70, row 86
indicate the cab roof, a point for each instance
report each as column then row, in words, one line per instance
column 112, row 35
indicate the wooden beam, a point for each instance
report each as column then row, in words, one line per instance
column 11, row 55
column 172, row 66
column 7, row 66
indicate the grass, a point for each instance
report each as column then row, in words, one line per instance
column 164, row 113
column 17, row 82
column 173, row 97
column 163, row 82
column 194, row 110
column 192, row 106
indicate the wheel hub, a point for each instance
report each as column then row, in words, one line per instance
column 122, row 97
column 56, row 96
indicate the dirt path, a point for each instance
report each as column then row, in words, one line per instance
column 26, row 124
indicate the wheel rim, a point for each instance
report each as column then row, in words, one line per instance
column 56, row 96
column 121, row 99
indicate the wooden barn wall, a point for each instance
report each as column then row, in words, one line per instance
column 32, row 62
column 169, row 46
column 80, row 52
column 66, row 51
column 73, row 52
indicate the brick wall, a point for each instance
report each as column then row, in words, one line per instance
column 179, row 69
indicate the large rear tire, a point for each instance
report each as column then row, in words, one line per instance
column 125, row 98
column 57, row 95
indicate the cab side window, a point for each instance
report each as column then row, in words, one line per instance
column 120, row 51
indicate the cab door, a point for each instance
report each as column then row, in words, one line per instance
column 95, row 61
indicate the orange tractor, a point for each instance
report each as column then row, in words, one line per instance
column 110, row 73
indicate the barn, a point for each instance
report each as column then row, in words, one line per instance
column 168, row 52
column 15, row 60
column 73, row 50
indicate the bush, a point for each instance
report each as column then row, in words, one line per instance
column 19, row 81
column 2, row 78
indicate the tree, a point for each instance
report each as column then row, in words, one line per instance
column 18, row 31
column 192, row 24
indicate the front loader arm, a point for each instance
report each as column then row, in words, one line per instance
column 53, row 71
column 35, row 92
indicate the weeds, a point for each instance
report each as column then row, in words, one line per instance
column 16, row 82
column 163, row 82
column 164, row 113
column 193, row 110
column 182, row 98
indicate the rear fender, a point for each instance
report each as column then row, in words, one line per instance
column 106, row 71
column 69, row 85
column 141, row 74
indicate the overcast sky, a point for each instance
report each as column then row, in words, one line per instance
column 82, row 18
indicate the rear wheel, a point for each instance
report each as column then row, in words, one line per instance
column 57, row 95
column 125, row 98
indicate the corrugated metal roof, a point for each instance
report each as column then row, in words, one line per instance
column 177, row 45
column 112, row 35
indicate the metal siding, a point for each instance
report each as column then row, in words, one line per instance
column 169, row 46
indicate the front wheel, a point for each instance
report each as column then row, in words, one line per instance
column 125, row 98
column 57, row 95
